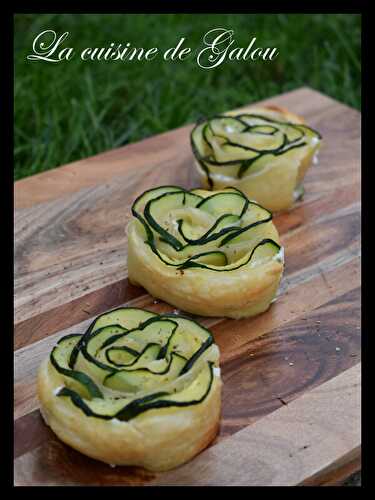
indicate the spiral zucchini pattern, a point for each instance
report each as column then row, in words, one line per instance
column 265, row 153
column 208, row 253
column 136, row 388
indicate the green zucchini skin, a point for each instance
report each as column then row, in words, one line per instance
column 112, row 312
column 163, row 328
column 154, row 232
column 80, row 377
column 135, row 353
column 135, row 407
column 196, row 355
column 209, row 235
column 245, row 164
column 152, row 222
column 266, row 241
column 128, row 373
column 231, row 236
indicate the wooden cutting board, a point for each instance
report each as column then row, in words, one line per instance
column 291, row 398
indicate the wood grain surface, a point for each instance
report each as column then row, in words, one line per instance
column 285, row 447
column 70, row 264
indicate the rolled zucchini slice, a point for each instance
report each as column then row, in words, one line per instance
column 208, row 253
column 265, row 153
column 136, row 388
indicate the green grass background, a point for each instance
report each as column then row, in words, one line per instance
column 71, row 110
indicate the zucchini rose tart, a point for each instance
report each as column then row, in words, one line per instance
column 208, row 253
column 264, row 152
column 136, row 389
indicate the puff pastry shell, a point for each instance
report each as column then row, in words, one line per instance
column 208, row 253
column 265, row 152
column 136, row 389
